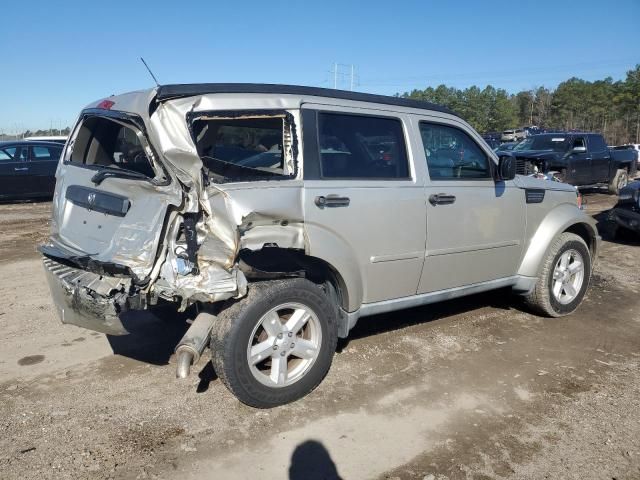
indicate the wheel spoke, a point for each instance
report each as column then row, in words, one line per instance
column 297, row 321
column 557, row 274
column 557, row 288
column 304, row 349
column 272, row 324
column 570, row 290
column 564, row 260
column 261, row 351
column 576, row 266
column 278, row 369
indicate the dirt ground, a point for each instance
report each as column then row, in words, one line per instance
column 477, row 388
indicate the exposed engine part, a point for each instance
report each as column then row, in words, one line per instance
column 191, row 237
column 193, row 343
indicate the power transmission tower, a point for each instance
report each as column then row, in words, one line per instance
column 344, row 74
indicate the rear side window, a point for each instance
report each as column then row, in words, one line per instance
column 361, row 147
column 46, row 153
column 237, row 146
column 109, row 143
column 452, row 154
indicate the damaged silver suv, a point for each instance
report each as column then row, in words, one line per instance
column 286, row 213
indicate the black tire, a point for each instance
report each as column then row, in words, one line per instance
column 542, row 299
column 619, row 181
column 233, row 331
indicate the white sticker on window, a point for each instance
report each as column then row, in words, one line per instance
column 557, row 139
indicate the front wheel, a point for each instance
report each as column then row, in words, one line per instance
column 275, row 345
column 564, row 277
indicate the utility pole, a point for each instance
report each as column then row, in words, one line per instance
column 335, row 76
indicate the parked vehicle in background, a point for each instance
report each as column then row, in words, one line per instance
column 28, row 168
column 286, row 213
column 492, row 139
column 48, row 138
column 581, row 159
column 631, row 146
column 520, row 134
column 505, row 147
column 626, row 214
column 508, row 136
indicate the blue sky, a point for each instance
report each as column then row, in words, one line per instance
column 59, row 56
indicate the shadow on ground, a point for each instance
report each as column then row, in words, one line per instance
column 153, row 335
column 501, row 299
column 311, row 461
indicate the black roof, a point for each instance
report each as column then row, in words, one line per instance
column 167, row 92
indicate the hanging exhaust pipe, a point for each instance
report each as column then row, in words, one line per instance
column 193, row 343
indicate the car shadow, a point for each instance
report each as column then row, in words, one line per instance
column 501, row 299
column 153, row 335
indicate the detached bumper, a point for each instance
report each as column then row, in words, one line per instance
column 627, row 219
column 87, row 299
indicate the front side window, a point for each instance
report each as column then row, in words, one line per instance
column 361, row 147
column 452, row 154
column 578, row 143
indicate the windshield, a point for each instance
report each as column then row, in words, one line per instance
column 234, row 145
column 557, row 143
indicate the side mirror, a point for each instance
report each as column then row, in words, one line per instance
column 579, row 149
column 506, row 168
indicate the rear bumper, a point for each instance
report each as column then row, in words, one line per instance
column 87, row 299
column 627, row 219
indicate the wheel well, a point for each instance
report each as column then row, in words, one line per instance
column 275, row 262
column 585, row 233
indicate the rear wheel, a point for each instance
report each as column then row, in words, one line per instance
column 564, row 277
column 619, row 181
column 275, row 345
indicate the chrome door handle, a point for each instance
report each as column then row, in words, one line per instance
column 332, row 201
column 441, row 199
column 21, row 169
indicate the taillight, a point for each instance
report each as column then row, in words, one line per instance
column 106, row 104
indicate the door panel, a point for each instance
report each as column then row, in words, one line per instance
column 364, row 200
column 476, row 238
column 14, row 181
column 600, row 158
column 42, row 168
column 382, row 229
column 475, row 225
column 579, row 164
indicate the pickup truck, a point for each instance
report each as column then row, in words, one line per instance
column 580, row 159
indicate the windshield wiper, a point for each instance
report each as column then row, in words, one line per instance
column 116, row 172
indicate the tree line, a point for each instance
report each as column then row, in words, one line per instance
column 604, row 106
